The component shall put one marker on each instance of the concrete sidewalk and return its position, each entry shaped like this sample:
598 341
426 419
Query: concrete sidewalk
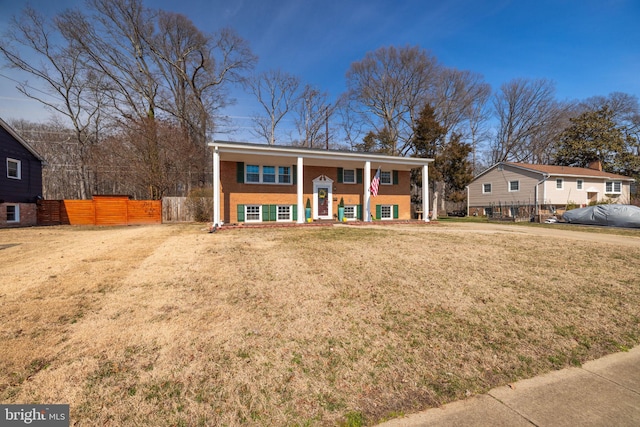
603 392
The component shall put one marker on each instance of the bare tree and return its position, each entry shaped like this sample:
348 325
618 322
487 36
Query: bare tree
73 92
529 119
312 121
197 70
388 88
277 92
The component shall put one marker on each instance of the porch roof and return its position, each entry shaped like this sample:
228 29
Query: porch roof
248 152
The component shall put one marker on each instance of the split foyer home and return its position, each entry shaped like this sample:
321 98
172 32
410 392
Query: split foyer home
256 183
20 179
545 187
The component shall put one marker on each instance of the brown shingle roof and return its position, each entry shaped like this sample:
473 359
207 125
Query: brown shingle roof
569 170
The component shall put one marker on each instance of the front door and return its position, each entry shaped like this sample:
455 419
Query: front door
323 201
322 197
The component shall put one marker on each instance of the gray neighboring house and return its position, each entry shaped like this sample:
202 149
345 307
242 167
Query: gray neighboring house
546 188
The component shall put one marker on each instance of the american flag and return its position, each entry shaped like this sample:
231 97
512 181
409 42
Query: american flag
375 183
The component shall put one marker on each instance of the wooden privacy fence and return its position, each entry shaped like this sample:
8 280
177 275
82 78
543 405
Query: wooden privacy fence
183 209
102 210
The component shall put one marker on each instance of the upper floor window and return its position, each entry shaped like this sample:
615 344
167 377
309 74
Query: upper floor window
579 184
514 186
613 187
386 177
349 176
559 183
486 188
284 175
267 174
253 173
14 169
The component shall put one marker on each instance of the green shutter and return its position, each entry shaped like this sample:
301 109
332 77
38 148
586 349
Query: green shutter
395 211
359 176
240 174
378 211
340 175
294 209
295 174
265 213
359 212
240 213
273 212
395 177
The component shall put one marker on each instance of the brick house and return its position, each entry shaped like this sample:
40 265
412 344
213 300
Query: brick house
256 183
20 179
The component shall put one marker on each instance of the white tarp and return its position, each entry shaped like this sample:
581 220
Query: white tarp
611 215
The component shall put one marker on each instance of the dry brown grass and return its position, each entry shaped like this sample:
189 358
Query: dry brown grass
170 325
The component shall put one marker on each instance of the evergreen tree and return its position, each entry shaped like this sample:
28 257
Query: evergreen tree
592 136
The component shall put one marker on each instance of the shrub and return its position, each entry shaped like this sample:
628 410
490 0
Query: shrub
200 204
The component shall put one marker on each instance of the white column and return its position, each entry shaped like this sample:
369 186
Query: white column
367 195
300 184
425 193
216 186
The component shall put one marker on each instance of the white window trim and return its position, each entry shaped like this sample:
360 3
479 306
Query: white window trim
261 175
390 178
246 213
613 187
355 176
580 184
278 213
355 212
561 180
19 168
390 212
490 188
513 191
17 214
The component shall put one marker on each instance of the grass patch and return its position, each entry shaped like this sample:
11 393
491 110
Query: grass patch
350 326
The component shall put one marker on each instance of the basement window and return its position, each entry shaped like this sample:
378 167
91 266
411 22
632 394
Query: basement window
13 213
253 213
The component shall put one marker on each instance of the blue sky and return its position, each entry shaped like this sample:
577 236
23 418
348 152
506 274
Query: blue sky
587 47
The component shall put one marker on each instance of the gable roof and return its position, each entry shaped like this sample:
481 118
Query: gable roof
553 170
18 138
